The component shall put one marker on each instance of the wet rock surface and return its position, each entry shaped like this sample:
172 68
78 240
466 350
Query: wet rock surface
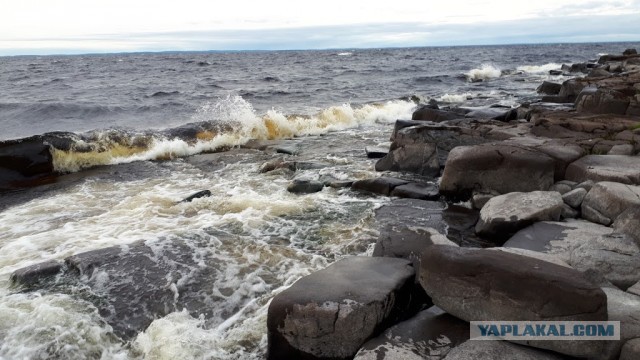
331 313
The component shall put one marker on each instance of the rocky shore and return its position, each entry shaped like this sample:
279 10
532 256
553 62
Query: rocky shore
552 188
528 213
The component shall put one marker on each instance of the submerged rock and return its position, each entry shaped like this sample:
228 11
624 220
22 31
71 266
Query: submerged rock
34 274
380 185
199 194
417 191
300 186
331 313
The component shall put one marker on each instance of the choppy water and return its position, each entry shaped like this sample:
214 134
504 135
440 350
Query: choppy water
329 104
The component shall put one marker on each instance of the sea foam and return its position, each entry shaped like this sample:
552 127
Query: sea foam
485 72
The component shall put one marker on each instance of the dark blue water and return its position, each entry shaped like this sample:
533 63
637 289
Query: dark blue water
152 91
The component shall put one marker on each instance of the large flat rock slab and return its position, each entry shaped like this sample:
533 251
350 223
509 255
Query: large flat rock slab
132 285
504 215
617 168
495 167
480 284
431 334
331 313
584 246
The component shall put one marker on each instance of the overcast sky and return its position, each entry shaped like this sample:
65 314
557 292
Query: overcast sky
84 26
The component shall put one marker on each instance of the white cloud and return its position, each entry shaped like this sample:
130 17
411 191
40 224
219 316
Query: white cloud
119 25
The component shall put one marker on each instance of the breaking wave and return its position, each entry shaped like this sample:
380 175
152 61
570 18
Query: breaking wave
485 72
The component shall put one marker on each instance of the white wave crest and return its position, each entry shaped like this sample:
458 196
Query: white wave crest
539 69
244 125
485 72
455 98
345 54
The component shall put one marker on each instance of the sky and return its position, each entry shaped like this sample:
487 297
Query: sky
98 26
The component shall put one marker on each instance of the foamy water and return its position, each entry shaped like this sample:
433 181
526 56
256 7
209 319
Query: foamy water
486 72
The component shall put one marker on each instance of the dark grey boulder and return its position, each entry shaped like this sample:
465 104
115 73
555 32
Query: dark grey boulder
331 313
584 246
617 168
574 197
421 159
431 334
497 285
498 350
380 185
630 51
198 195
417 191
628 222
607 200
427 113
549 88
535 289
500 168
32 275
504 215
602 101
302 186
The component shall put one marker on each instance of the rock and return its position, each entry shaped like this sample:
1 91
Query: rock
25 161
498 285
479 199
331 313
634 289
407 218
500 168
301 186
132 285
408 242
628 222
376 152
417 191
504 215
618 168
431 334
584 246
549 88
492 113
289 150
532 254
569 213
623 307
421 159
561 187
32 275
498 350
427 113
401 124
556 72
598 72
574 197
602 101
332 182
608 200
445 137
198 195
630 52
587 185
571 88
380 185
631 350
277 164
563 155
624 149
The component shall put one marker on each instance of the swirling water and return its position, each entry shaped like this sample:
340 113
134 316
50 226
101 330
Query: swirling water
126 182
